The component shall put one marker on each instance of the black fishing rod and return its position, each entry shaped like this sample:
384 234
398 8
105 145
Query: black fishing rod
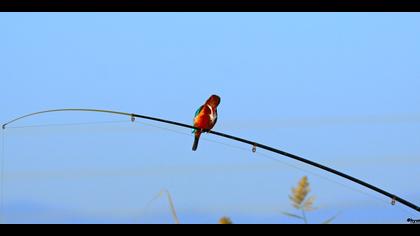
255 145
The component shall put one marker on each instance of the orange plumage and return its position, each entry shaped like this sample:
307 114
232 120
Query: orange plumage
205 118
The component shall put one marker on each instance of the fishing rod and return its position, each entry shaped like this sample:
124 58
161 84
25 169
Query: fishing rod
254 145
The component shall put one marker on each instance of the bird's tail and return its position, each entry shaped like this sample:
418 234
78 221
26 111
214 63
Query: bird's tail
196 139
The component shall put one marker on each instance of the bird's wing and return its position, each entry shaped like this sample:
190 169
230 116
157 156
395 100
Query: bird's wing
198 111
196 114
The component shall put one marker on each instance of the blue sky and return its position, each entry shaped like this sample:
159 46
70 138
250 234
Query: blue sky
337 88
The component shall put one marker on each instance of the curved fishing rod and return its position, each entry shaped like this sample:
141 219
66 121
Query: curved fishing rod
394 197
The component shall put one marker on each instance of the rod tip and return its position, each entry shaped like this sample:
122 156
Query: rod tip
3 126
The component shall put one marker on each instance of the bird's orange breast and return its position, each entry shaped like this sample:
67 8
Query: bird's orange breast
203 120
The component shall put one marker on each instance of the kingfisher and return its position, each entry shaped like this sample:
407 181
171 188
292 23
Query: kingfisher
205 118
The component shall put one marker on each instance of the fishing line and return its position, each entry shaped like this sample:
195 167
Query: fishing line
68 124
208 140
369 195
359 191
255 145
2 175
266 156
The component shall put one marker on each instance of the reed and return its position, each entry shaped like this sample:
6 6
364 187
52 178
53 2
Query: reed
302 202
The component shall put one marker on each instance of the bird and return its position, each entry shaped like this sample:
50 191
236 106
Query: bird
205 118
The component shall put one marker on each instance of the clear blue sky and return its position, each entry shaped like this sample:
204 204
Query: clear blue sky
341 89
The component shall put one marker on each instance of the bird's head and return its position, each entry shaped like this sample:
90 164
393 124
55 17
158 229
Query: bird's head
213 101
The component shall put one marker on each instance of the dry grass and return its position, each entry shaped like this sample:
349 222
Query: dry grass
225 221
299 197
302 202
